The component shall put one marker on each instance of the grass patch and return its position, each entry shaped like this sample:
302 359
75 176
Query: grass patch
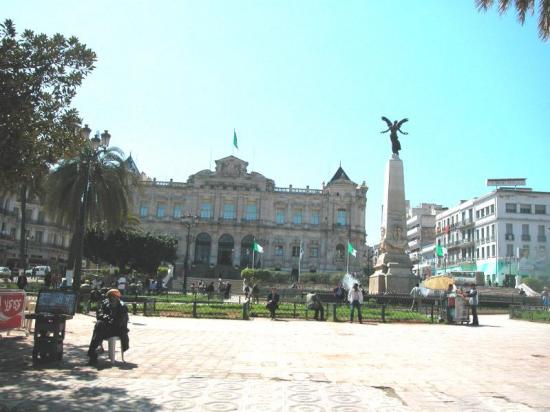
287 310
531 315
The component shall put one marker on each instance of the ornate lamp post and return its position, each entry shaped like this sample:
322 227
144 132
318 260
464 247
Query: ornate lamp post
188 221
90 154
27 240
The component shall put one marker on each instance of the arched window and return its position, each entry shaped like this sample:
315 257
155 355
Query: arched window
340 252
246 250
225 249
203 244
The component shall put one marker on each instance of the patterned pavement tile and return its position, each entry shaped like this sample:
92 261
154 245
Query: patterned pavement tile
217 365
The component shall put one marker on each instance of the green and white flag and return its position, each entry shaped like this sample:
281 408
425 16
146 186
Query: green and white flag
351 250
257 248
440 251
235 139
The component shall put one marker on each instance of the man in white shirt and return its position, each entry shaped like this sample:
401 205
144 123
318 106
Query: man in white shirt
121 284
355 299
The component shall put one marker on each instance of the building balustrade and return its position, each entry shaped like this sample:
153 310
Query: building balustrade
297 190
526 237
541 238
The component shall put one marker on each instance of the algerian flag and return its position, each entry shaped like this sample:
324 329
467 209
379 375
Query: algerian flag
440 251
301 251
257 248
235 139
351 250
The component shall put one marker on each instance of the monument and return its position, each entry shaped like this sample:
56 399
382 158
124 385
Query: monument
393 268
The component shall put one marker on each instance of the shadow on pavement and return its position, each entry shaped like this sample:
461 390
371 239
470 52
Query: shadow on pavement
69 385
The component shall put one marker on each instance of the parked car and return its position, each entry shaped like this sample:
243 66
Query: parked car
41 270
5 272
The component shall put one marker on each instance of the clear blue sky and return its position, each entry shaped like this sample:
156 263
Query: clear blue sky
305 83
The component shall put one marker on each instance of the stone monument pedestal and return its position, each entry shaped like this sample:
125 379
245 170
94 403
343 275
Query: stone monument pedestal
393 269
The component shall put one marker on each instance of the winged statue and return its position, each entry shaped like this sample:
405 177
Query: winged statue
393 128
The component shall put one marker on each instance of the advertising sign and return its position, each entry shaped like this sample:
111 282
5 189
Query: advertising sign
12 309
507 182
56 302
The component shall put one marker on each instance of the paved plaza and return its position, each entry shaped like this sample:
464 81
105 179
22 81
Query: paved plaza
261 365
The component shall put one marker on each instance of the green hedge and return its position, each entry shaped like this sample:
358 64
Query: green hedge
275 276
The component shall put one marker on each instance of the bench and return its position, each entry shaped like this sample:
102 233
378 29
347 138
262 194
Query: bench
147 301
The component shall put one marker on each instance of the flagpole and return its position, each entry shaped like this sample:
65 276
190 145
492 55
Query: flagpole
253 243
299 261
347 259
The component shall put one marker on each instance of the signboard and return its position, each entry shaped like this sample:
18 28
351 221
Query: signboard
56 302
520 181
12 309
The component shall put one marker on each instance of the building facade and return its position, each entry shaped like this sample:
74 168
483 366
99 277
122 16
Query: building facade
421 238
46 242
503 234
232 208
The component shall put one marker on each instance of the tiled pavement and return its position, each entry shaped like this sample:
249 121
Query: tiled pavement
260 365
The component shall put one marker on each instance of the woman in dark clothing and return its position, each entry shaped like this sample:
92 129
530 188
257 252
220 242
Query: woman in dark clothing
112 320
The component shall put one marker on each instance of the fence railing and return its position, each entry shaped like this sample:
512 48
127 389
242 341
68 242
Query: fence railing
536 313
293 308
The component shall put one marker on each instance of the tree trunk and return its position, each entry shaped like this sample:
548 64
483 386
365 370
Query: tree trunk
81 230
23 235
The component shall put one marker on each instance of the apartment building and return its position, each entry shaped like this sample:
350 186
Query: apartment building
503 234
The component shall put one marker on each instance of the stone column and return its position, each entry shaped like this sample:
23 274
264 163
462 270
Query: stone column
393 269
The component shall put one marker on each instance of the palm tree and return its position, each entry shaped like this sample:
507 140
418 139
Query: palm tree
91 188
523 7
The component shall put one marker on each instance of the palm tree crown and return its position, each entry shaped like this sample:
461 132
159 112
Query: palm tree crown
107 181
523 7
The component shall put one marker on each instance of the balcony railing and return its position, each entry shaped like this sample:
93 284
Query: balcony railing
526 237
466 222
541 238
509 236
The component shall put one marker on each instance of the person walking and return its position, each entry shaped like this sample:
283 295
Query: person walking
473 301
416 294
22 281
272 302
355 299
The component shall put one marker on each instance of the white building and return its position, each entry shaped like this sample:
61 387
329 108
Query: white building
503 234
421 237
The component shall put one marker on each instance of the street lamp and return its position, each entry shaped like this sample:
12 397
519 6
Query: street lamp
188 221
89 155
27 239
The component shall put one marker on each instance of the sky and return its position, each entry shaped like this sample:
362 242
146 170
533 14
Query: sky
304 84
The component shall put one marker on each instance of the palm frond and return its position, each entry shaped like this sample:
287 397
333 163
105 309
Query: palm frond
522 7
483 5
544 19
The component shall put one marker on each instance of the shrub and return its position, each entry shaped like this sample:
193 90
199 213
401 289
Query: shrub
536 284
255 275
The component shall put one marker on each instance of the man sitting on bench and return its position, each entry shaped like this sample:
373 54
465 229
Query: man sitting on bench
112 320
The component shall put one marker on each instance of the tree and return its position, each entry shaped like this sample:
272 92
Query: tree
89 189
39 76
523 7
130 248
